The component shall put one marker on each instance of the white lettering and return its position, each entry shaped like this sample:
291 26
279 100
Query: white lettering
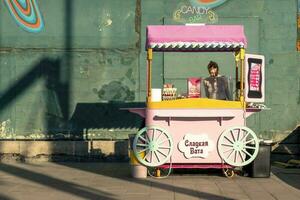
183 9
196 145
194 10
196 151
193 14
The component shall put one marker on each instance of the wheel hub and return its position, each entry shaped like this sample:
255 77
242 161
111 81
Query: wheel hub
238 146
152 146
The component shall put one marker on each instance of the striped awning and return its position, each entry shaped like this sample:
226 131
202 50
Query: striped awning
196 38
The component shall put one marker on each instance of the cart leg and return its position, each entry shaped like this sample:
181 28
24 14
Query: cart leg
157 172
228 172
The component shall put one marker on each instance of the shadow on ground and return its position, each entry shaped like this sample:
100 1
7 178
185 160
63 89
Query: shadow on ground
124 174
102 169
57 184
289 148
290 176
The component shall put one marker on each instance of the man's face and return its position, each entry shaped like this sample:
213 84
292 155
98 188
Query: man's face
213 72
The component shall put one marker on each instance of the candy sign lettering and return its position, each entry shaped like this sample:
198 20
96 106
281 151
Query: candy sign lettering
193 146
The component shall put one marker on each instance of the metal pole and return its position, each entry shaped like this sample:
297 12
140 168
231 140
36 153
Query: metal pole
242 99
237 59
149 72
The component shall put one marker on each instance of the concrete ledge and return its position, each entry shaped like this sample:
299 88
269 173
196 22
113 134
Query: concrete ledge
68 149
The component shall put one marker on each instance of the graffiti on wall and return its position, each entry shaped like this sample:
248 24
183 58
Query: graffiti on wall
197 11
26 14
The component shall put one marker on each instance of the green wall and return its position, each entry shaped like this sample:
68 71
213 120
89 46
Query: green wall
70 79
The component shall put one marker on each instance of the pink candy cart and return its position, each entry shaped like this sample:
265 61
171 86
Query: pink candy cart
197 132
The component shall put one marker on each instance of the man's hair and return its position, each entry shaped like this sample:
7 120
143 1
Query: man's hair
212 64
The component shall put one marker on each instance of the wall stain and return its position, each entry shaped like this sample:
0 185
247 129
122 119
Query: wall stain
125 60
84 71
115 91
129 75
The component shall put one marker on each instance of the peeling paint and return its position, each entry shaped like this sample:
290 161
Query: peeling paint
105 22
128 15
84 71
6 129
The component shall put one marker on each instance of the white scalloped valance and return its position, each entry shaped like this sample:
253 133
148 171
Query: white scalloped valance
195 46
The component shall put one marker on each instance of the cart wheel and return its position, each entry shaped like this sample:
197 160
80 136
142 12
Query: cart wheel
229 173
152 146
238 146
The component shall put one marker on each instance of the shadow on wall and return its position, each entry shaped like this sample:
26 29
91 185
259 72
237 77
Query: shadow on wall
289 148
54 104
49 70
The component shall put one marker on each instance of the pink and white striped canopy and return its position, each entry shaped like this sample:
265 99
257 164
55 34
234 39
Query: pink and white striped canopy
196 37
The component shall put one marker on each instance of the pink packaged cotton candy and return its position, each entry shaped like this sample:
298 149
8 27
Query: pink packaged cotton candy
194 87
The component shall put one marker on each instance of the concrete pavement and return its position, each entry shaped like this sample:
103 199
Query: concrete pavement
67 180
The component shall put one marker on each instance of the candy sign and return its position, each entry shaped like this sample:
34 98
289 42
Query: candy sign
193 146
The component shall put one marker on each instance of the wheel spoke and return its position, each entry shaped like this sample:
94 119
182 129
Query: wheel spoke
228 139
151 156
249 141
157 139
161 153
140 137
246 152
156 156
147 136
228 150
245 136
238 136
228 145
146 155
235 152
249 147
167 140
232 135
230 154
153 131
142 145
241 156
164 147
143 150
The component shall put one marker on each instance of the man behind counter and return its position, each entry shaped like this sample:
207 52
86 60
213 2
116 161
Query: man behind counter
216 86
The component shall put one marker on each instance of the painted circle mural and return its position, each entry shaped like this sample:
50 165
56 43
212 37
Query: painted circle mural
207 3
26 14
